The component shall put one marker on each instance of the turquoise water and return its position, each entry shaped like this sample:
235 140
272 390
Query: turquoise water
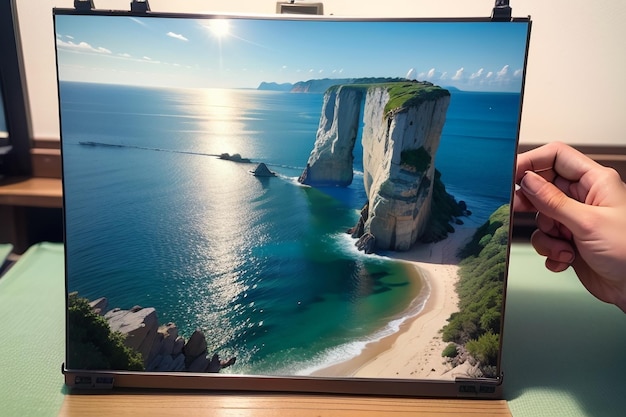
262 265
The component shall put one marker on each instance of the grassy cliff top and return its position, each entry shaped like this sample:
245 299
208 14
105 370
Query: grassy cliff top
403 94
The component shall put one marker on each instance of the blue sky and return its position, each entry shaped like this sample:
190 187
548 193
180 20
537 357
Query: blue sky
242 53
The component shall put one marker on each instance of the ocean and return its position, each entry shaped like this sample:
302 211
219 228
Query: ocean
262 265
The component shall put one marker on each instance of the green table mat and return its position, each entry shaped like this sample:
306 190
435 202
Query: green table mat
562 348
563 351
32 344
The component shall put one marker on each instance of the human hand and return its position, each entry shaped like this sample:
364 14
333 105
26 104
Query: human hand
581 217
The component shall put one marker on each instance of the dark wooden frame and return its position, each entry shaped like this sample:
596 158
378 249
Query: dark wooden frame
17 161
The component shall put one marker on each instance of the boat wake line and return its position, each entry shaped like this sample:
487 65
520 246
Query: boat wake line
145 148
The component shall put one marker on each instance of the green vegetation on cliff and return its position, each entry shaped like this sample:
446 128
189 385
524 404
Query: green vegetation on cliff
418 159
480 289
412 94
443 210
402 93
92 345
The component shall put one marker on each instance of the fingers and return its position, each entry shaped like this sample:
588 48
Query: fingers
551 227
559 253
521 203
555 159
551 201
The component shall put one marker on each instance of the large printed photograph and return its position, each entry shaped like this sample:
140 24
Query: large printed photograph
263 196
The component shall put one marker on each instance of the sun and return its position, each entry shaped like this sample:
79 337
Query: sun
219 27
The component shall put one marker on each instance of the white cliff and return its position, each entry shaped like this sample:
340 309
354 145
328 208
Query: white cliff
400 141
330 162
400 194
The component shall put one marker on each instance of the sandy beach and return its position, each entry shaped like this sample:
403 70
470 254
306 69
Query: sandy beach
415 350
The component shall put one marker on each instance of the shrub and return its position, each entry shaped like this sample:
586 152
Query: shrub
450 351
416 158
485 240
485 348
92 345
480 287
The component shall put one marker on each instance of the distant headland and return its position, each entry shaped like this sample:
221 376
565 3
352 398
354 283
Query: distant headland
320 85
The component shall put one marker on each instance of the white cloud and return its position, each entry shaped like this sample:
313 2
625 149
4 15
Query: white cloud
177 36
459 74
82 47
503 71
489 74
125 55
517 73
444 75
411 74
476 74
431 73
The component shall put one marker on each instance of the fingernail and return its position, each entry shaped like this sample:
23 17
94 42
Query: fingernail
566 257
531 183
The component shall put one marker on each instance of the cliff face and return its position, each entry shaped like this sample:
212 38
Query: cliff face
399 189
330 162
401 134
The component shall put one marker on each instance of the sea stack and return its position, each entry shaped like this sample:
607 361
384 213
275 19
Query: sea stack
262 171
402 125
330 162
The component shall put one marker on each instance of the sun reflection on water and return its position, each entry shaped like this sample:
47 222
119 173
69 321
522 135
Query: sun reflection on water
228 230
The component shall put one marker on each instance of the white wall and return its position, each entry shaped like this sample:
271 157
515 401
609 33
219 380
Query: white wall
575 89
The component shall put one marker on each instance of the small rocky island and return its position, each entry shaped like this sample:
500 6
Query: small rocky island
234 158
402 125
262 170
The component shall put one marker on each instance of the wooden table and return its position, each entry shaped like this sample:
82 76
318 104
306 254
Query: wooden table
137 404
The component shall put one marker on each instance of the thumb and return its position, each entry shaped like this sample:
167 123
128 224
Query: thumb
549 200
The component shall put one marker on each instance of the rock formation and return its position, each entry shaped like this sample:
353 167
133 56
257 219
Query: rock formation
162 348
330 162
234 158
140 326
262 170
402 124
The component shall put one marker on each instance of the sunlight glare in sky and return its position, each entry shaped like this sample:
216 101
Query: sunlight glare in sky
219 27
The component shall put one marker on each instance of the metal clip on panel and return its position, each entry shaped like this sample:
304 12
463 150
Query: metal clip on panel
502 12
140 6
84 5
